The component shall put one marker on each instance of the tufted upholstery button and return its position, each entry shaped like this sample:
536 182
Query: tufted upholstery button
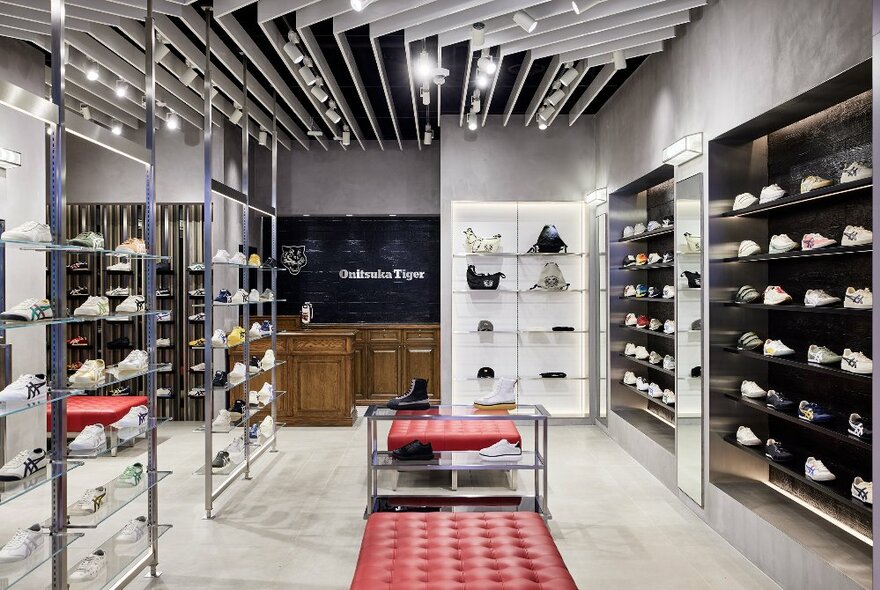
84 410
452 435
459 551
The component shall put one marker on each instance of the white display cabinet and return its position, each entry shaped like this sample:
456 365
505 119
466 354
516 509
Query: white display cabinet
523 343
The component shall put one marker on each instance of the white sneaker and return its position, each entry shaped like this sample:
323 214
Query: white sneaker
22 544
29 231
858 298
815 241
819 298
118 292
856 171
221 256
218 340
197 367
253 296
669 327
655 390
629 291
237 375
771 193
781 243
90 502
668 292
642 353
267 427
132 304
856 362
223 421
744 200
822 355
502 451
26 388
775 295
628 231
91 440
811 183
655 324
639 229
856 235
503 397
163 342
92 372
267 295
253 399
134 531
90 568
241 296
668 397
655 358
629 378
669 362
164 392
748 248
642 384
238 258
861 490
776 348
29 310
751 390
255 330
120 267
265 395
93 307
816 470
746 437
629 349
136 418
268 360
23 465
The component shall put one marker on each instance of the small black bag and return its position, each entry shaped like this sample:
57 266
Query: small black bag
549 241
483 281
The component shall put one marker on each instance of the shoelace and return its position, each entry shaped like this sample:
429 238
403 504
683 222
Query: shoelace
18 539
131 471
18 460
87 563
131 529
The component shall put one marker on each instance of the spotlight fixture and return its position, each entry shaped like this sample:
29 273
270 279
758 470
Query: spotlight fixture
542 124
580 6
293 52
116 128
359 5
475 101
472 121
481 80
306 72
263 136
478 35
121 88
569 76
546 112
425 93
525 21
92 71
86 112
487 64
172 120
50 130
161 49
189 76
557 95
346 136
318 90
332 113
619 60
440 76
214 91
429 134
236 115
423 67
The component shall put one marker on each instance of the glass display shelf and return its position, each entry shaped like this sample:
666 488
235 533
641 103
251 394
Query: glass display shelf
487 332
120 557
12 573
647 235
801 254
659 367
459 461
521 332
72 249
128 316
828 309
251 339
234 468
13 407
836 190
249 414
243 266
551 292
231 386
119 437
553 332
118 496
12 324
539 378
655 266
521 412
649 299
426 502
804 365
110 379
261 302
481 291
486 379
647 331
652 400
10 490
516 254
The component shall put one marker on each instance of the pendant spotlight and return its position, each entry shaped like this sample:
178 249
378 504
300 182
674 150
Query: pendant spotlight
189 76
86 112
92 71
318 90
172 120
263 136
478 35
429 134
557 95
121 88
476 104
293 52
580 6
359 5
236 115
546 112
619 60
542 124
332 113
569 76
424 69
161 48
486 63
425 93
525 21
116 128
306 72
481 80
346 136
472 121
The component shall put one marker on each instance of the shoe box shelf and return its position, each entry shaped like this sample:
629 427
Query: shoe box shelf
820 134
523 344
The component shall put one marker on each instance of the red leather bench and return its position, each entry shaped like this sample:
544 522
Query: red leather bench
452 435
459 550
85 410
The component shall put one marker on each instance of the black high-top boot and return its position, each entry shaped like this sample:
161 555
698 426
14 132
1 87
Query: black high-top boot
414 399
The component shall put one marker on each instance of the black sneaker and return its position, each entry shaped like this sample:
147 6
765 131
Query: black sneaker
414 399
693 279
629 260
121 391
668 221
697 371
777 401
749 341
78 292
668 257
774 451
219 379
255 365
221 460
238 410
163 268
697 324
163 292
119 343
414 451
859 426
269 263
653 292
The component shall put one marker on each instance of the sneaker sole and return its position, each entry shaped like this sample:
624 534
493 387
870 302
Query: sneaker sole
500 458
415 458
753 395
503 406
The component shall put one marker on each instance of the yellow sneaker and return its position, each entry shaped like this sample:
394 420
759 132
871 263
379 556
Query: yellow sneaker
197 342
235 337
254 260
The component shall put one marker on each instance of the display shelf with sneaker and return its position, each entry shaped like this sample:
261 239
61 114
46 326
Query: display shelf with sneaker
647 235
806 253
808 198
794 361
658 400
23 553
649 332
646 363
116 496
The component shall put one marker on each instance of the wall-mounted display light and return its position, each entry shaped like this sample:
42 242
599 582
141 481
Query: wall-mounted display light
580 6
332 113
597 197
346 136
236 115
525 21
684 150
429 134
306 72
472 121
11 158
189 75
86 112
318 90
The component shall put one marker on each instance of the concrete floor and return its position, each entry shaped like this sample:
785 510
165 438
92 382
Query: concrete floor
298 523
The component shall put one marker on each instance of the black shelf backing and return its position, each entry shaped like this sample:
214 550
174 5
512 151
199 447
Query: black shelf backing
804 365
828 309
648 235
647 331
654 400
797 254
655 266
835 190
649 365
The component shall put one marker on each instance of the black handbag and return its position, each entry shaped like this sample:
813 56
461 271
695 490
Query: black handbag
549 241
483 281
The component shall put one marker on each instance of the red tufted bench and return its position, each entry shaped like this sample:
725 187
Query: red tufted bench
84 410
458 550
452 435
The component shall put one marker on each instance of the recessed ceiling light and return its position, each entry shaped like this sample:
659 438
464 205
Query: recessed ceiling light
172 121
121 88
92 71
525 21
116 128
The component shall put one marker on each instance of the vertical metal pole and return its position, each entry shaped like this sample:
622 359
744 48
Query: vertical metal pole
538 499
274 255
245 240
546 468
207 214
58 295
150 242
370 472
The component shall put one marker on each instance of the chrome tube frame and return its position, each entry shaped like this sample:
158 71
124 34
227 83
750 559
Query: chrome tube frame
207 246
245 232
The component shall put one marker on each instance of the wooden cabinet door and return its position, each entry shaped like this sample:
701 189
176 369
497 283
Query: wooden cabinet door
320 384
384 369
420 360
359 374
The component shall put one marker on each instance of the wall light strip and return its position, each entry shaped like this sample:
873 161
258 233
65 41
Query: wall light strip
684 150
28 103
227 192
96 134
597 197
9 158
263 211
820 514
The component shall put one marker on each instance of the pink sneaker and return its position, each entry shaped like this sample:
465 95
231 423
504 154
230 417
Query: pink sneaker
814 241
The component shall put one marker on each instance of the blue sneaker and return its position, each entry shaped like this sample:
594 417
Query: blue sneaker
254 434
777 401
266 328
223 296
641 290
813 412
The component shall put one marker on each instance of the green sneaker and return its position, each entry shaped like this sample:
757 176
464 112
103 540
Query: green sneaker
88 239
132 475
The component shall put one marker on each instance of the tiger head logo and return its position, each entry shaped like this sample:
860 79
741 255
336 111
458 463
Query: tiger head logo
294 258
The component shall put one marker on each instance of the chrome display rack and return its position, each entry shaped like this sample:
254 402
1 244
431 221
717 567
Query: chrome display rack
213 188
61 528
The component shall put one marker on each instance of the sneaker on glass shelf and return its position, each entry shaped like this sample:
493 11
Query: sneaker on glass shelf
856 362
669 362
136 361
265 394
196 392
749 341
266 328
23 465
822 355
771 193
90 567
777 348
667 221
237 374
502 451
29 310
815 241
134 531
254 366
653 225
751 390
90 502
164 392
219 340
628 231
643 321
163 342
196 293
29 231
778 401
118 292
254 332
628 261
78 266
744 200
268 360
746 294
503 396
859 426
22 544
814 469
91 373
197 267
748 248
629 349
668 397
120 267
858 298
655 358
223 296
132 246
238 410
781 243
669 327
639 229
654 292
91 440
746 437
668 257
629 378
254 434
629 291
241 296
197 368
856 171
78 292
163 292
819 298
26 388
641 259
812 412
811 183
238 258
132 304
267 427
642 353
235 336
668 292
641 290
862 490
131 475
856 235
267 295
642 384
775 295
197 317
220 379
223 421
93 307
221 256
655 390
774 451
221 460
254 260
135 418
655 325
88 239
253 296
198 342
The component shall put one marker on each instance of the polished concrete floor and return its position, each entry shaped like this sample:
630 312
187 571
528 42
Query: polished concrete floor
297 524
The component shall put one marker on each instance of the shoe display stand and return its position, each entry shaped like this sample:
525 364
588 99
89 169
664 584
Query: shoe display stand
456 461
819 133
50 562
522 344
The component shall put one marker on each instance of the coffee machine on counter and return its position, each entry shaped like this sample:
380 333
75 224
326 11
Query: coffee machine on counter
306 313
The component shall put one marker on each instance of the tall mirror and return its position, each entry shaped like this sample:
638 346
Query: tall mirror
688 336
600 326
